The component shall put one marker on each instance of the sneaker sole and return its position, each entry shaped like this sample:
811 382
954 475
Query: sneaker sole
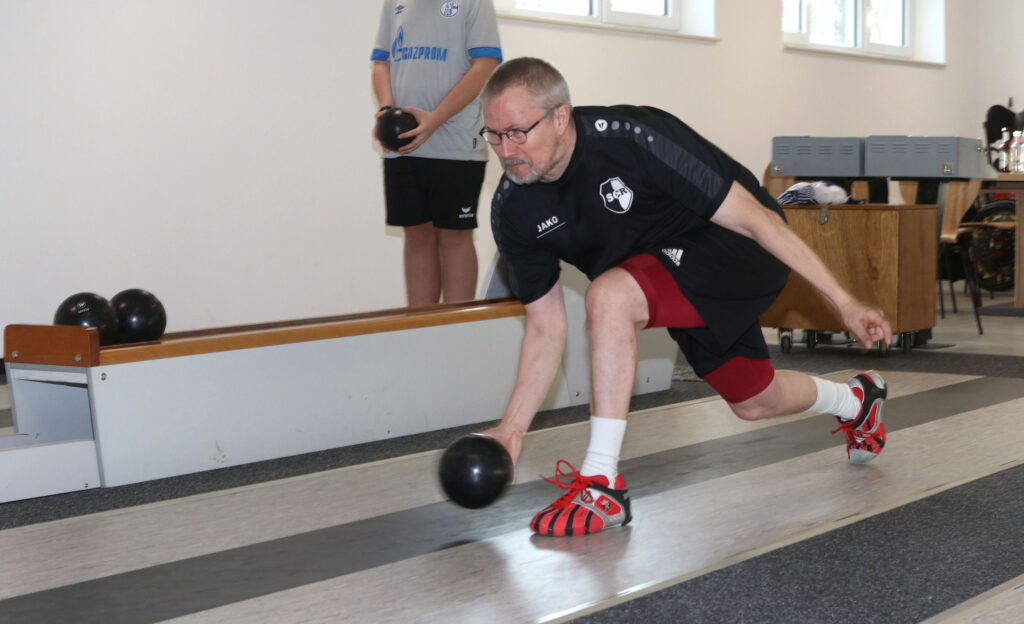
860 456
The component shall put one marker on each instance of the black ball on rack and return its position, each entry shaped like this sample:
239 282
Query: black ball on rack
474 471
88 309
140 315
391 123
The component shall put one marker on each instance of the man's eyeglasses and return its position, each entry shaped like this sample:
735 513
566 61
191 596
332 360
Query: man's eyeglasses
515 135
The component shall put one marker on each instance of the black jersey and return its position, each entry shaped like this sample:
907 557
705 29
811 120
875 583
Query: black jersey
640 181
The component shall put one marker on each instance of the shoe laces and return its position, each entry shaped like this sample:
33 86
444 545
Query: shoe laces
852 435
855 438
572 482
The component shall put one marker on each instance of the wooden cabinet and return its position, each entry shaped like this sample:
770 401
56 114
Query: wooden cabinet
884 254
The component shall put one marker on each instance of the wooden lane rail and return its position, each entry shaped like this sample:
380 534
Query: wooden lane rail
79 346
52 345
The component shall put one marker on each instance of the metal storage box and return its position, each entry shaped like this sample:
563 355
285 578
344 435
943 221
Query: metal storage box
925 157
818 157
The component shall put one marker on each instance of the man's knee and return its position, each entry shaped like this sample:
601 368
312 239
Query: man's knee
614 296
745 384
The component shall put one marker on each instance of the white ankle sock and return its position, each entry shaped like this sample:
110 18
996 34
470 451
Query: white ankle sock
835 398
605 445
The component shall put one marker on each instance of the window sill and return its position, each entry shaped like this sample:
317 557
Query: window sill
861 54
554 21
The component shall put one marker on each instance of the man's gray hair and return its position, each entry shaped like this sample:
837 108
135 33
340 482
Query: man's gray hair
544 83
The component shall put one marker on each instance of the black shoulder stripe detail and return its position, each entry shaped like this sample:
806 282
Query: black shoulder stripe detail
675 156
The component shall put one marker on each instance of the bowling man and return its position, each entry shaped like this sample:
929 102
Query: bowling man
672 233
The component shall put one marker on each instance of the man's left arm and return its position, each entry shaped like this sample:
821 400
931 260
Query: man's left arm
742 213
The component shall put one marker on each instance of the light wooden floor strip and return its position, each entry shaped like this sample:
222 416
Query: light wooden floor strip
1002 604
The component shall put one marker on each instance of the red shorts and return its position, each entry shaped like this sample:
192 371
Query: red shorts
734 375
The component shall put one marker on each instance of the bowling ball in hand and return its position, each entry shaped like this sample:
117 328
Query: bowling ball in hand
88 309
474 471
391 123
140 315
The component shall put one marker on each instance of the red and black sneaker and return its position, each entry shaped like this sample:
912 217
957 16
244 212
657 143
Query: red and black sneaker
588 505
865 434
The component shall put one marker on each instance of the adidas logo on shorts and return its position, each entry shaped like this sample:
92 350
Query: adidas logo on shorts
675 255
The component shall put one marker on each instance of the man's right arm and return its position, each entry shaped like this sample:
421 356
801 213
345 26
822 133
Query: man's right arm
381 81
539 359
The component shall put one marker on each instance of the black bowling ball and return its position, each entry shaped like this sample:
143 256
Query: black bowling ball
391 123
88 309
474 471
140 315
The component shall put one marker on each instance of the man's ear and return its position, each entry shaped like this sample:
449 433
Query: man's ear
562 116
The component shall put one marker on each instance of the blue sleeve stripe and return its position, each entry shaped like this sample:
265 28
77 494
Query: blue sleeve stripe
485 53
379 55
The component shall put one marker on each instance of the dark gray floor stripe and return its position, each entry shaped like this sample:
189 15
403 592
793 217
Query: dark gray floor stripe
901 566
200 583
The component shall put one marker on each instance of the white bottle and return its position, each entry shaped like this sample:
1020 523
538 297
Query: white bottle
1017 152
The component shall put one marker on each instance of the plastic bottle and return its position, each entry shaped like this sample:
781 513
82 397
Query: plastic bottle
1003 148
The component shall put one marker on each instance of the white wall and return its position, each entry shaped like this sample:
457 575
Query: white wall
1000 50
218 152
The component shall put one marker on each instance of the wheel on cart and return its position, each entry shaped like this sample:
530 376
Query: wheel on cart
786 340
907 341
992 250
810 339
922 336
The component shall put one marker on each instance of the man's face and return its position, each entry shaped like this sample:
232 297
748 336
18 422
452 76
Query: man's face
535 159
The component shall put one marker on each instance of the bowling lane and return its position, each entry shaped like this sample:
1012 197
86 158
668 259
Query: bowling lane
130 541
679 534
44 556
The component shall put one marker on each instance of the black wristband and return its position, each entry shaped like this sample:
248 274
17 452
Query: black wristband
383 108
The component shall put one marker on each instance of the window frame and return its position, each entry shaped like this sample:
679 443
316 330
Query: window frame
672 21
687 18
861 45
903 51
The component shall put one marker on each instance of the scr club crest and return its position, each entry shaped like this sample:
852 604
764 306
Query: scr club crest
616 196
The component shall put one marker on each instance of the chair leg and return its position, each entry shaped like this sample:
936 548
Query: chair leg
952 290
942 301
972 281
942 295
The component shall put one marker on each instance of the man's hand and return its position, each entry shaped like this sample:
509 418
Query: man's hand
428 123
868 324
511 439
